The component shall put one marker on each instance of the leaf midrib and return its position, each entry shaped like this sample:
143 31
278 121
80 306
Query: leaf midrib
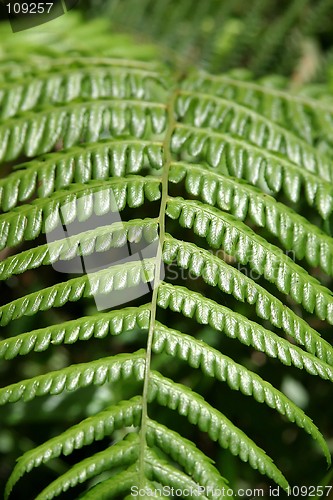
171 121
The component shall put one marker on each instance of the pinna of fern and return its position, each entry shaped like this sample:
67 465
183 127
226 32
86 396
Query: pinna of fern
219 155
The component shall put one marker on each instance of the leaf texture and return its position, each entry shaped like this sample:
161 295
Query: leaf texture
125 413
99 198
36 132
237 239
233 164
218 427
241 200
206 311
99 161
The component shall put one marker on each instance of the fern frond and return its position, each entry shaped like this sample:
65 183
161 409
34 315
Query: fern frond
98 326
117 277
219 428
216 272
97 197
229 194
95 428
225 115
242 159
100 239
197 260
121 366
182 451
15 68
199 355
224 231
117 485
33 133
84 136
99 161
168 475
307 118
90 79
234 325
123 453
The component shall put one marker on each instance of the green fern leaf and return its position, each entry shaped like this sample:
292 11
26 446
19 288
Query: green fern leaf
234 165
216 272
122 453
238 240
81 164
102 282
99 197
101 239
90 79
293 231
125 413
168 475
234 325
182 451
246 160
74 377
34 133
215 364
306 117
219 428
120 484
98 326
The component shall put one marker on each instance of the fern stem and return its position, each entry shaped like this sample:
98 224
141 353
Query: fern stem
157 279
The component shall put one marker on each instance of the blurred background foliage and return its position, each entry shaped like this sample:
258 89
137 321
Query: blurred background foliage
286 37
291 38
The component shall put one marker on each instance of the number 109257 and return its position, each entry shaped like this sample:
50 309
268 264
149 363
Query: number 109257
29 8
309 491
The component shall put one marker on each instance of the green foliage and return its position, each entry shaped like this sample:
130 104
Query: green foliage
219 35
219 173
